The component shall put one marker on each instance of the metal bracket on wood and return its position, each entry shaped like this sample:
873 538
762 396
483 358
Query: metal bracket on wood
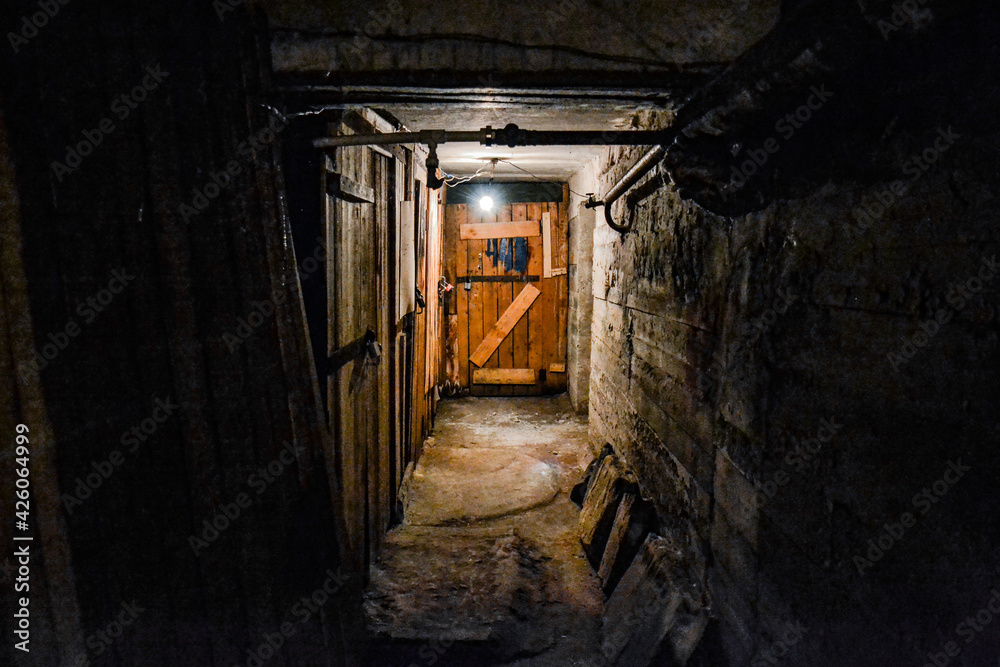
498 279
363 346
342 187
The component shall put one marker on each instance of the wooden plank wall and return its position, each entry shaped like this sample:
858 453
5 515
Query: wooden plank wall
380 415
538 340
427 335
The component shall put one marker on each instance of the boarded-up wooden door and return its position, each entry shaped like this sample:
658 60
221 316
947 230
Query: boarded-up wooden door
508 312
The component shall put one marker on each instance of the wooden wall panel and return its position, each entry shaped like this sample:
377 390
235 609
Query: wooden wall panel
455 302
381 474
352 229
381 414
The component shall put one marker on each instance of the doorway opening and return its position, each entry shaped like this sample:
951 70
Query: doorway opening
507 313
448 326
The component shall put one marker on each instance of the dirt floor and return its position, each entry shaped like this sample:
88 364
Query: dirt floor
487 567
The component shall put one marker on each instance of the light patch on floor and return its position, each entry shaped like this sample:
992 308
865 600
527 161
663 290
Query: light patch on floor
452 485
487 567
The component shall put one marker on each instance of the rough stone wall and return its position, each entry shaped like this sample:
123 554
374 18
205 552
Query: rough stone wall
753 372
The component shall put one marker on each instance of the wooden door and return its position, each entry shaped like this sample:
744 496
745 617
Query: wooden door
360 213
509 307
379 237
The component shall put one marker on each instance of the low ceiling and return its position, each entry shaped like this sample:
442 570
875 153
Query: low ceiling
646 54
521 163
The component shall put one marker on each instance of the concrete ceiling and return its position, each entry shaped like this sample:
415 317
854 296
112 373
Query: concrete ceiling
646 54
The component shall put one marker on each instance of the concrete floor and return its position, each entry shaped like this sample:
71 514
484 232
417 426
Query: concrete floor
487 567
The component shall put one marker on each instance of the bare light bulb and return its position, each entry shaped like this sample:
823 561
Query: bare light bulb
486 203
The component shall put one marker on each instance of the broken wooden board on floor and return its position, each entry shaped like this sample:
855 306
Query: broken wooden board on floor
631 526
601 506
657 614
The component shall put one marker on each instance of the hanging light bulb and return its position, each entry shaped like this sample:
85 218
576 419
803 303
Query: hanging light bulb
486 201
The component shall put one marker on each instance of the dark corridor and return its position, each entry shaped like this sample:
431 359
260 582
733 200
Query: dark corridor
719 276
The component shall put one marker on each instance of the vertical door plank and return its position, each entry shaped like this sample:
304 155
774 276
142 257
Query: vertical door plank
505 295
547 306
546 245
462 297
451 320
386 488
536 336
475 251
489 293
519 336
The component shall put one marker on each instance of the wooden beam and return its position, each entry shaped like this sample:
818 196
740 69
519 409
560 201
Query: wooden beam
343 187
546 245
503 326
503 376
501 230
517 278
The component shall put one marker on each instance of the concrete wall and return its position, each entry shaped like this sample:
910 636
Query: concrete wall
581 286
752 371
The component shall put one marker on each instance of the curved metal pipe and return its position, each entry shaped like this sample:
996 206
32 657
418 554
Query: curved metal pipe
645 164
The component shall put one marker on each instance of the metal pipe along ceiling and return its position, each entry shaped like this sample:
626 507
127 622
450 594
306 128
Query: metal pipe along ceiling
513 136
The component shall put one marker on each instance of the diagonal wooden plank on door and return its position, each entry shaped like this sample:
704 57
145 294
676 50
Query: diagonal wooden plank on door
503 326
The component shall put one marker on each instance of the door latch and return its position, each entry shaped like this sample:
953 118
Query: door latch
421 302
364 347
373 352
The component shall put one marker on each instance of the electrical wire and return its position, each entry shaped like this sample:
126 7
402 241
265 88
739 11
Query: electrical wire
537 178
451 180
